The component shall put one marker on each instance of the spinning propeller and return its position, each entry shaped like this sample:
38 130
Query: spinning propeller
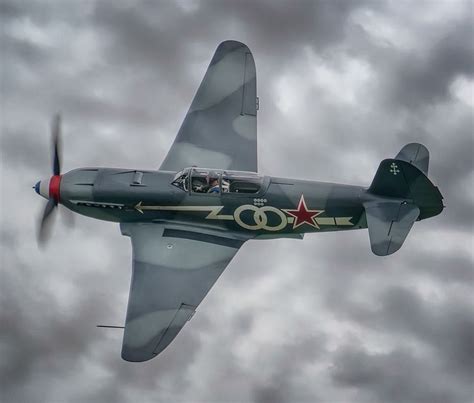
50 188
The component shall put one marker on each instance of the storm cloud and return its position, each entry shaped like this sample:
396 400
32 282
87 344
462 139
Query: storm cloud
342 85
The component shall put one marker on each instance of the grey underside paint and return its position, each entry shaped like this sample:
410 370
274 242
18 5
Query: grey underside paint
220 128
171 275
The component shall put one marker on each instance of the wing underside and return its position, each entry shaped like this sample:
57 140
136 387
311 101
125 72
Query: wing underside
173 270
220 128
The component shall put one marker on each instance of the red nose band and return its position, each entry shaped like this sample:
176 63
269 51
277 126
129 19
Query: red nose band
54 187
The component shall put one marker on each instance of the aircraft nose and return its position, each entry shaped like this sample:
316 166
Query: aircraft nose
42 188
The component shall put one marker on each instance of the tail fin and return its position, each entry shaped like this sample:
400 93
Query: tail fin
400 194
417 155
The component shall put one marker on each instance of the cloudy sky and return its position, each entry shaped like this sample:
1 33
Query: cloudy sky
342 85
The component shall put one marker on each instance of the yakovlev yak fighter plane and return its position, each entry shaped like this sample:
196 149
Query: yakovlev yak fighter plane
188 219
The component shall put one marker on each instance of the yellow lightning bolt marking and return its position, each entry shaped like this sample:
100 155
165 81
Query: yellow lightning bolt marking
213 210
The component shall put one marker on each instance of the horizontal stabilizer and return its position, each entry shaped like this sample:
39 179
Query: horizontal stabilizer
389 223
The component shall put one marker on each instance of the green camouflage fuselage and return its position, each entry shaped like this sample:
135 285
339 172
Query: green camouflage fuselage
281 208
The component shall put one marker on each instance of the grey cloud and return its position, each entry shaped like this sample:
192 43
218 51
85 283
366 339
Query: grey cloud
396 376
420 76
449 328
424 78
446 328
449 269
123 75
289 364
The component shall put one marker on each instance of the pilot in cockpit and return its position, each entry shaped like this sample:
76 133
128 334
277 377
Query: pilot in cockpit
213 186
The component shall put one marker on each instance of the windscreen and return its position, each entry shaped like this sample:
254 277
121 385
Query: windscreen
181 180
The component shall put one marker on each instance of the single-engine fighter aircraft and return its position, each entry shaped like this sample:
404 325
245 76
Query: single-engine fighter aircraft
188 219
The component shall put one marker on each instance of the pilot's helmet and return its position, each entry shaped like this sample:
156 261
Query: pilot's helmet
212 176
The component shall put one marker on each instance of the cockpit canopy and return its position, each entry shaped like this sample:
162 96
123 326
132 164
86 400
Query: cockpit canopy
217 181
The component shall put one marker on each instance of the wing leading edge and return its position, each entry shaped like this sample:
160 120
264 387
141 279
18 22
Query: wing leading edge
220 128
173 270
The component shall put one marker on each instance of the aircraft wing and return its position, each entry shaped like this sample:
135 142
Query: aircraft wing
220 128
173 270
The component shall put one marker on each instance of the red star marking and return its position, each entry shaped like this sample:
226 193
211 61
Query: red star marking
303 215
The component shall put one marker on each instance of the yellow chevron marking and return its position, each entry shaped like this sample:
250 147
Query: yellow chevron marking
324 220
343 221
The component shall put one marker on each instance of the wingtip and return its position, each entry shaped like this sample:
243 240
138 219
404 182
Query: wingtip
232 44
133 355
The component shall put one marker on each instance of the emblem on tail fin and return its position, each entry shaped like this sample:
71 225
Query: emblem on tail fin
394 168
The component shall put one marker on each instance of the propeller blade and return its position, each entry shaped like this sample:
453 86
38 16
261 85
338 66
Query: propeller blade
56 140
46 223
67 217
